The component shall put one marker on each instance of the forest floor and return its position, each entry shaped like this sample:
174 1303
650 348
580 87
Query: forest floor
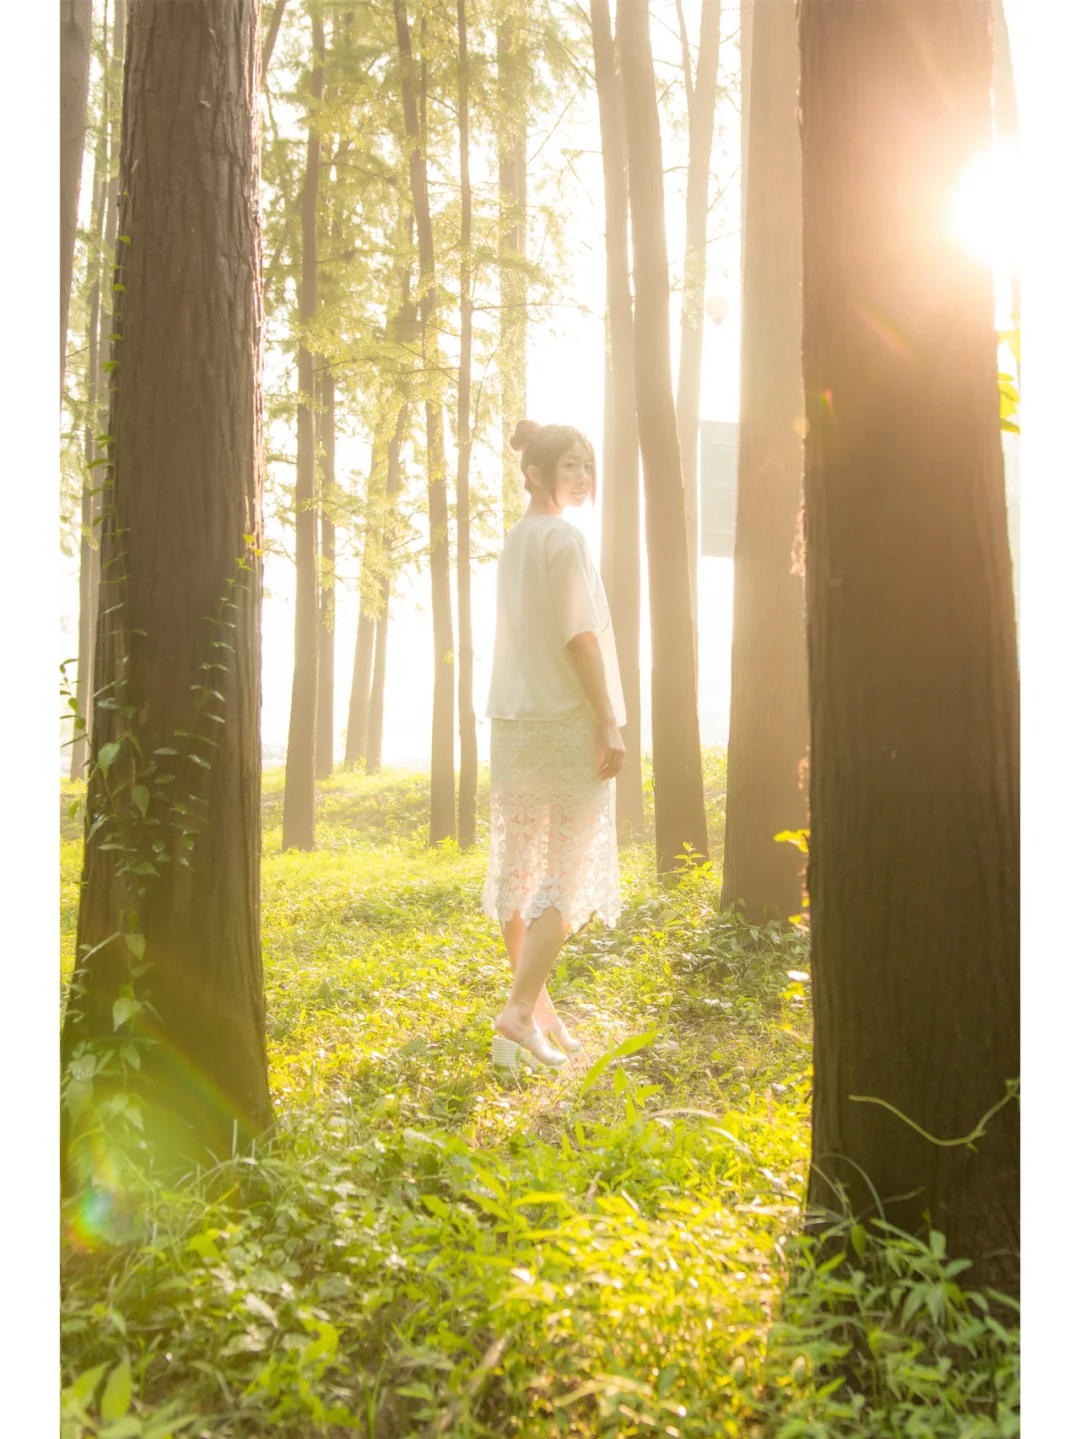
428 1248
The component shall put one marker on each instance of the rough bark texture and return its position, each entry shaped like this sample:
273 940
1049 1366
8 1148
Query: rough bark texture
677 782
442 708
377 702
324 720
769 731
466 709
513 62
621 549
914 871
701 109
75 26
184 504
298 823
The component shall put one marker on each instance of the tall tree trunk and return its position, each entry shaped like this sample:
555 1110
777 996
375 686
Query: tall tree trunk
371 560
75 28
769 731
87 544
298 824
513 63
99 420
377 702
466 710
677 782
184 503
701 109
914 796
271 37
442 709
324 724
621 555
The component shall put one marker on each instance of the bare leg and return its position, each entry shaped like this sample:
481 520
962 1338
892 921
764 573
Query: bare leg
513 933
540 946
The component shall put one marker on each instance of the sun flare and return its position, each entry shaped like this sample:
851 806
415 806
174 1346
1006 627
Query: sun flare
984 213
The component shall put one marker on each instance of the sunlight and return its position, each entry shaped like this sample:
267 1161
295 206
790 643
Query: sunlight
984 213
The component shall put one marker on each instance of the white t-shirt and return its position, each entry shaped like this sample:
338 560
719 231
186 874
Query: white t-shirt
548 592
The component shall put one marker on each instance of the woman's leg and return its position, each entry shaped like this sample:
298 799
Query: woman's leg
513 933
540 947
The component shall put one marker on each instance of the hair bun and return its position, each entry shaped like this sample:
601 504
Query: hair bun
522 430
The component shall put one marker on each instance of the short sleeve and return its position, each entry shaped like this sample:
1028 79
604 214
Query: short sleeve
571 586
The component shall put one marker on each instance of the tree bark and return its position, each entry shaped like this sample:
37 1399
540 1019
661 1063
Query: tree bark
769 731
466 709
324 720
75 28
87 545
746 54
377 702
442 709
356 736
298 824
677 781
914 796
513 65
183 512
701 109
621 554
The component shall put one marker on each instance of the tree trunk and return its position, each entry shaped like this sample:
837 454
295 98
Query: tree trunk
271 37
442 709
677 782
466 710
87 544
769 730
376 704
914 798
298 825
356 736
513 61
621 555
75 27
324 726
181 527
701 108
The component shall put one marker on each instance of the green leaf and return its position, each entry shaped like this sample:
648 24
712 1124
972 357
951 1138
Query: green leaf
166 750
633 1044
116 1398
858 1239
85 1387
136 943
107 756
140 798
123 1009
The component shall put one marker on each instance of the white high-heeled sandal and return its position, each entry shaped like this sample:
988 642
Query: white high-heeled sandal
534 1051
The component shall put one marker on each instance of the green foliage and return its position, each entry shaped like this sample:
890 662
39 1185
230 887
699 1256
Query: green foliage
425 1248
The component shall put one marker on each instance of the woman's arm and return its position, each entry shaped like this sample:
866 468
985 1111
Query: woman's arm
588 661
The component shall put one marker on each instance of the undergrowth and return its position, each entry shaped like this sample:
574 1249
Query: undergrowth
423 1249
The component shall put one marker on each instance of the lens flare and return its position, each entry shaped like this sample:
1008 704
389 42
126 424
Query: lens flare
984 213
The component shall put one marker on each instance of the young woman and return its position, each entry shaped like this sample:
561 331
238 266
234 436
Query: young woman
556 705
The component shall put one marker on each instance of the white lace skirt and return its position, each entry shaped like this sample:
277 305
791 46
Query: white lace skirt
553 836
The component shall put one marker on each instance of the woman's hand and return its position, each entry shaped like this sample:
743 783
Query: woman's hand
612 750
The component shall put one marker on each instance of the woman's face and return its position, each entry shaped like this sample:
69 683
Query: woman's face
573 477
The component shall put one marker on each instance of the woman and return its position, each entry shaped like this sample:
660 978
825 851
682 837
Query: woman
555 706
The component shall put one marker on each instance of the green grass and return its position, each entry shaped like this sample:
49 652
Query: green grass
425 1249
